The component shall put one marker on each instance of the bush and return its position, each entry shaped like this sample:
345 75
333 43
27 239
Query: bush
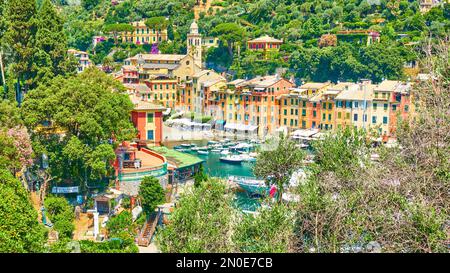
64 227
121 226
126 203
110 246
60 212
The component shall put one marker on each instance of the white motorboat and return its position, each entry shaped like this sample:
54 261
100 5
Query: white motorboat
246 157
250 185
225 152
200 152
232 159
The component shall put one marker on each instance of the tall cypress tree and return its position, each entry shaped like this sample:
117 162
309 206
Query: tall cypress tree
20 37
51 44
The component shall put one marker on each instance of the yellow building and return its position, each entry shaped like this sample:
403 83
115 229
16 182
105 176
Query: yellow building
353 105
289 110
380 114
200 84
181 67
265 44
144 35
163 91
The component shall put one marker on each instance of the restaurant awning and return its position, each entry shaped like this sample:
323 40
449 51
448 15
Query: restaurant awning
230 126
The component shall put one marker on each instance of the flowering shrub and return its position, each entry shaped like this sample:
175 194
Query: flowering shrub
15 149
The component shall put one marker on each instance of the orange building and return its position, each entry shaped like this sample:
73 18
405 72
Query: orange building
148 119
249 105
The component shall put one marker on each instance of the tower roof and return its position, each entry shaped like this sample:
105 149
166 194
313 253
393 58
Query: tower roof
194 27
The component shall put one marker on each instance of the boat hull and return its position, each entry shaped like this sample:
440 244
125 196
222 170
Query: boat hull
231 161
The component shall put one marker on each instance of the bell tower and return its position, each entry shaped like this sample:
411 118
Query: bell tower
194 44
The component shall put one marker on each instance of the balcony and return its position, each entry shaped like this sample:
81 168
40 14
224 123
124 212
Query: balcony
135 164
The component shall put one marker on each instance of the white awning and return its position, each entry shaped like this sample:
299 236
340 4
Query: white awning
304 133
230 126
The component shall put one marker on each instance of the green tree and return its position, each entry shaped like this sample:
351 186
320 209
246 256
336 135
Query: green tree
121 226
200 177
278 161
202 221
268 231
51 45
91 110
61 214
230 34
151 194
20 36
342 153
158 23
20 230
116 29
90 4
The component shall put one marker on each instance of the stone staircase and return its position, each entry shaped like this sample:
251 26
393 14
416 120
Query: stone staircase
149 228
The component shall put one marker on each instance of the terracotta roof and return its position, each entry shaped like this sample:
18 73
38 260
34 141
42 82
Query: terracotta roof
266 39
140 87
263 82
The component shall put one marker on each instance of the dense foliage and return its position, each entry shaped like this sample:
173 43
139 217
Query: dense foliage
121 226
202 221
305 53
91 110
15 144
277 161
206 220
399 203
19 227
151 194
61 214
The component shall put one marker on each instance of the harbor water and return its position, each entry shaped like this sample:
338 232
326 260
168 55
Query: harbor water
215 168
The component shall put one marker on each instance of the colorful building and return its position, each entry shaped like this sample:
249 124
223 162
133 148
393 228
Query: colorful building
363 105
133 163
163 91
83 59
353 105
264 43
201 87
142 34
250 105
148 120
